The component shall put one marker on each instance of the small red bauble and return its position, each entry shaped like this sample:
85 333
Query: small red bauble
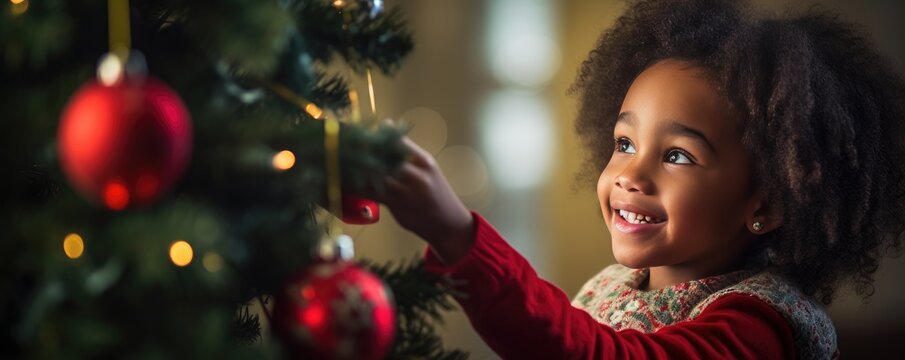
360 211
124 144
335 310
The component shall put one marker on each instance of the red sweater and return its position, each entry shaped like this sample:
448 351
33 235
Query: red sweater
521 316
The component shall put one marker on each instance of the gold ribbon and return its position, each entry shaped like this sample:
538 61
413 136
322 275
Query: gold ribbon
353 103
331 144
118 20
292 98
331 150
371 94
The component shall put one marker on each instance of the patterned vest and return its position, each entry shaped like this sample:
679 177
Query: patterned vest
612 297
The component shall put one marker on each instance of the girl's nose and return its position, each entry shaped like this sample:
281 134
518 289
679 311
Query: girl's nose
635 178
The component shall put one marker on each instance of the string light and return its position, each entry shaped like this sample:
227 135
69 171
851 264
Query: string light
19 7
212 262
73 246
181 253
283 160
314 111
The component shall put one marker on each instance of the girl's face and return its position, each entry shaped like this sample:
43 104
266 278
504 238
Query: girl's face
677 190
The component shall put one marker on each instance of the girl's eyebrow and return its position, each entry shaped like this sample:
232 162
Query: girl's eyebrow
678 128
673 127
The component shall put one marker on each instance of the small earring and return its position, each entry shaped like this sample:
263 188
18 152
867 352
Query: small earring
758 226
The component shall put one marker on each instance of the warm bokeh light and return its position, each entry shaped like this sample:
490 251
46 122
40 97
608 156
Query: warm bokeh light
339 4
521 46
212 262
116 195
465 170
73 246
314 111
284 160
519 139
19 7
181 253
428 128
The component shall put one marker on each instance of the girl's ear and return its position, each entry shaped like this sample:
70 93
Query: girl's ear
761 217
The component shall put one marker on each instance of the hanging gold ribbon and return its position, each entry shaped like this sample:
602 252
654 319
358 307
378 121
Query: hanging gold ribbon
371 94
292 98
331 151
331 143
118 20
353 103
331 146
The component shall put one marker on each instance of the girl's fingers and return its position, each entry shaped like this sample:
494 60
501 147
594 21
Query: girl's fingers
408 173
370 191
412 179
393 185
395 191
407 177
419 156
392 188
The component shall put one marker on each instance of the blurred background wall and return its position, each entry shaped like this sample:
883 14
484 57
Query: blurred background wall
485 93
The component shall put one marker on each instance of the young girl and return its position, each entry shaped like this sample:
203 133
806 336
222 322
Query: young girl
745 167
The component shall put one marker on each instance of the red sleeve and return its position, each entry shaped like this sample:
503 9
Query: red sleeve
521 316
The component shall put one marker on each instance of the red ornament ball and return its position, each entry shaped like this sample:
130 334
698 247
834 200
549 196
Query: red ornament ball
124 144
360 211
335 310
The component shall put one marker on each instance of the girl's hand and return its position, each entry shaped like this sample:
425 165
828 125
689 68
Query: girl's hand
423 202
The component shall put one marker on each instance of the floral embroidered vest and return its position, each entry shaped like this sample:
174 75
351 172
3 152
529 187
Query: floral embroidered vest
612 297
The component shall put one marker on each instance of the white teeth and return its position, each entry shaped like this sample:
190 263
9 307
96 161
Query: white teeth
635 218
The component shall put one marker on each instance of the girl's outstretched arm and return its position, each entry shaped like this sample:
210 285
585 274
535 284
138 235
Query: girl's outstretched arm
522 316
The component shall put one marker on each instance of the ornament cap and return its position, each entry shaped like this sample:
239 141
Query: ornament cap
345 248
115 67
339 248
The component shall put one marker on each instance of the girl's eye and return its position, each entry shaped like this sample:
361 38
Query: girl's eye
625 146
676 156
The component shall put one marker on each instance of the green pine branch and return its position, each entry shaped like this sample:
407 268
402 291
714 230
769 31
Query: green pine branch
420 303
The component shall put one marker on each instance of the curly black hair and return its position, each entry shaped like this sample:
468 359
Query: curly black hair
822 113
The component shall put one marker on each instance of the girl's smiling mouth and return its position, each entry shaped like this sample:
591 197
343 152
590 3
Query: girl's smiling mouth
636 218
622 223
630 219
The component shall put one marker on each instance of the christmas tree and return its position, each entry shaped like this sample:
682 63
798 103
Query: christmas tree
166 164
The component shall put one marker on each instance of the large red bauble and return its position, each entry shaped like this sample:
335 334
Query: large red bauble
335 310
124 144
